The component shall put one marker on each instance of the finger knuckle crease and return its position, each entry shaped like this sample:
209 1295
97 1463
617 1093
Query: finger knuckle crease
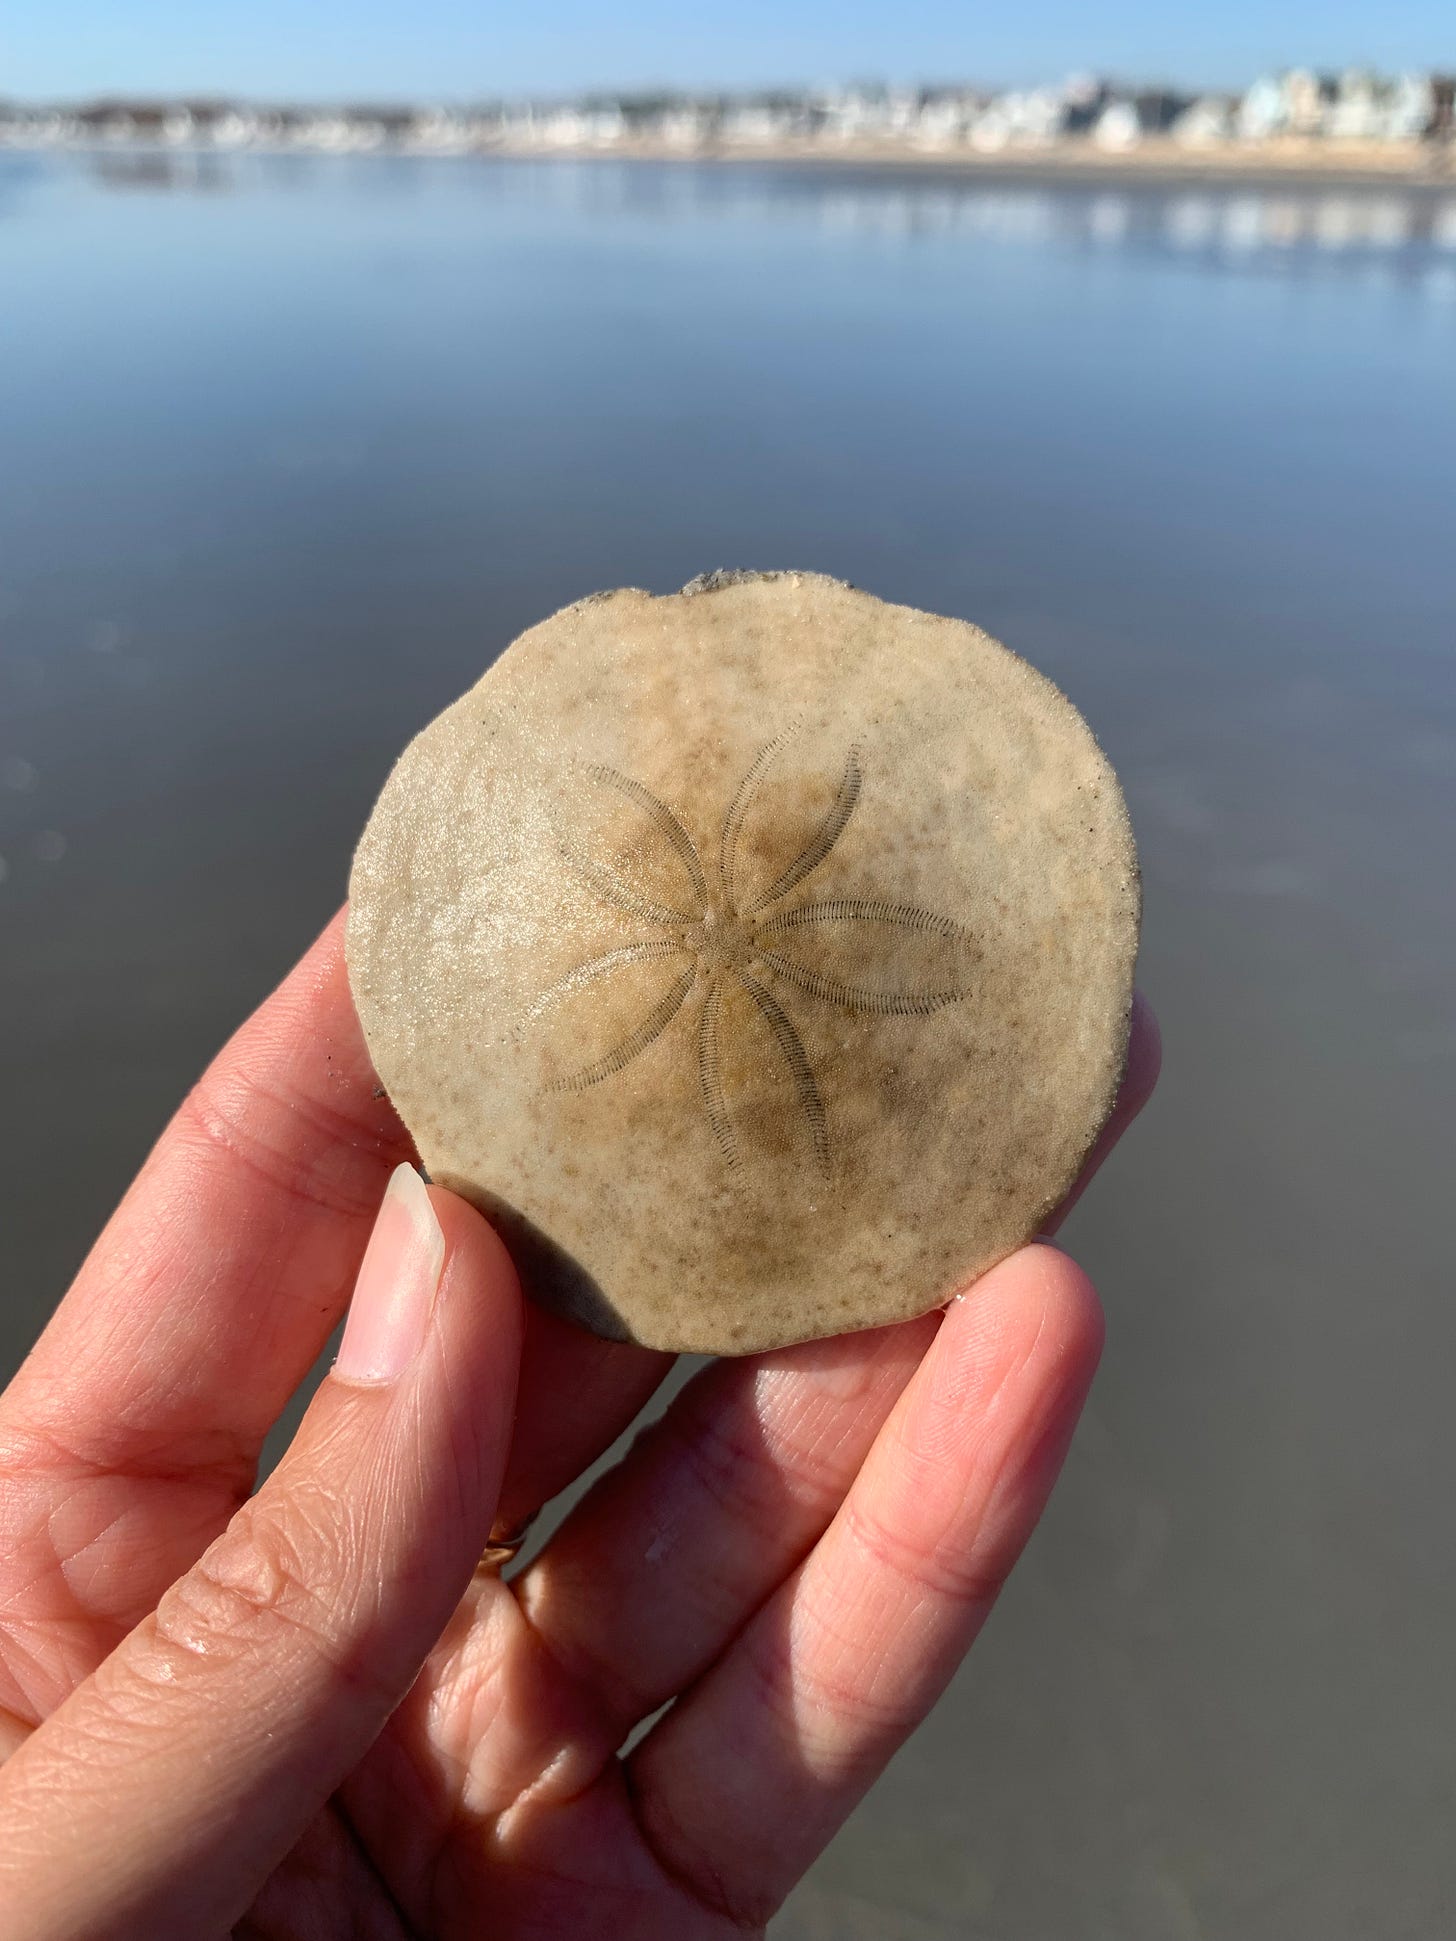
682 1859
226 1113
751 1474
932 1566
252 1578
814 1706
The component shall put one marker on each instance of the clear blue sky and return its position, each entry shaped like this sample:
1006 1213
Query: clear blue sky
331 49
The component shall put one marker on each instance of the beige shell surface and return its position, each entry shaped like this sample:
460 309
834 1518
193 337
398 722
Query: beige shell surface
758 957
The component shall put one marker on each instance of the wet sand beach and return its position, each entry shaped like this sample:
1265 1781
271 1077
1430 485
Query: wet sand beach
295 445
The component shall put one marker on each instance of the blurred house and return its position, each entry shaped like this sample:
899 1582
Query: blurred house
1263 113
1294 103
690 126
212 124
930 117
440 131
1309 98
1034 118
1118 126
580 127
1206 122
367 126
851 114
334 134
116 121
284 127
944 119
762 120
1083 97
1126 120
1411 108
1358 111
24 126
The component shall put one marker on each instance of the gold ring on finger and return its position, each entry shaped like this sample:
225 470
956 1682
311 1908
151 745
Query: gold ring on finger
502 1548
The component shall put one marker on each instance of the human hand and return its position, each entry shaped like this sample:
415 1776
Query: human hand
300 1715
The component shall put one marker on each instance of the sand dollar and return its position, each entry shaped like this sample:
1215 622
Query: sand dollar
759 958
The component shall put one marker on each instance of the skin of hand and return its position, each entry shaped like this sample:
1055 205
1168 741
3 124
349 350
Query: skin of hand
298 1713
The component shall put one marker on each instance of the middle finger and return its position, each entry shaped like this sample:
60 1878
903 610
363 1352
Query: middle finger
669 1555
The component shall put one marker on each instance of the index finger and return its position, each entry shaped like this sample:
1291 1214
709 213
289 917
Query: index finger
219 1277
217 1282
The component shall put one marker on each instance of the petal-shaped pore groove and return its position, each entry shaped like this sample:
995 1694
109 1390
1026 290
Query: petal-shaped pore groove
858 997
866 909
650 950
610 888
710 1073
823 839
636 1041
664 821
800 1070
727 939
737 809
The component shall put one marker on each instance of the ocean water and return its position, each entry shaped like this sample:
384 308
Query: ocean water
289 448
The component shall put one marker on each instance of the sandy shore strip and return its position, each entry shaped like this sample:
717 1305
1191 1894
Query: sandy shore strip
1153 163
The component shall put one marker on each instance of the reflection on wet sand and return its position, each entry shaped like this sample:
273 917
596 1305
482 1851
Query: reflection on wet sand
283 467
156 169
1236 223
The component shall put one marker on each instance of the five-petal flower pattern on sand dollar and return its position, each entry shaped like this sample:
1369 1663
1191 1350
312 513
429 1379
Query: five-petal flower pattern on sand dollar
730 939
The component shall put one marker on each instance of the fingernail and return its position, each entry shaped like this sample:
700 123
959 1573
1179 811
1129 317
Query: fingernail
396 1288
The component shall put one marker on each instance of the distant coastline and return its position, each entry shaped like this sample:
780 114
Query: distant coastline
1296 126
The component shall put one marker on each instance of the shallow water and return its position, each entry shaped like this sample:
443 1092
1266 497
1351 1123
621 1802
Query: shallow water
292 447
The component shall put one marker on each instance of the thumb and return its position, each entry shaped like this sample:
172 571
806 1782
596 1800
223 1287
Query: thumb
158 1798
